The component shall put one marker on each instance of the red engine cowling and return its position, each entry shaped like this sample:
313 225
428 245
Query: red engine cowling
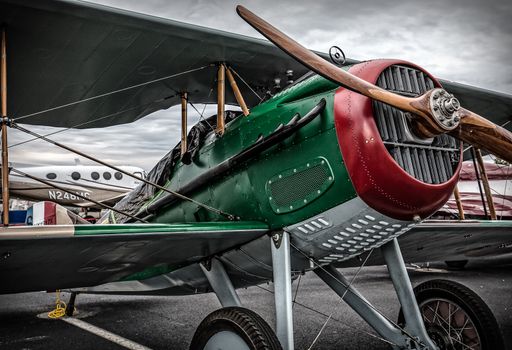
396 176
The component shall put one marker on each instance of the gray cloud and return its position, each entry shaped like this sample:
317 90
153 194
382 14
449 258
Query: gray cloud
468 41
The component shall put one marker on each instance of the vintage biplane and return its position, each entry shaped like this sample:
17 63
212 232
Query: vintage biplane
325 166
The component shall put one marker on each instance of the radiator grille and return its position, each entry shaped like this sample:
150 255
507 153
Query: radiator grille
431 161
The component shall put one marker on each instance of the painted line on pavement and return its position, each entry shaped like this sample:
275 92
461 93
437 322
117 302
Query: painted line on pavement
105 334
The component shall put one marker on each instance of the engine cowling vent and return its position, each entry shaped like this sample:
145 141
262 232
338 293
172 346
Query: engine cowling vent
433 161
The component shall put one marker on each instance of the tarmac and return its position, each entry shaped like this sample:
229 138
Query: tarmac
142 322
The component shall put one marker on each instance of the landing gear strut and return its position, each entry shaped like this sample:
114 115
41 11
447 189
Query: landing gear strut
231 327
414 336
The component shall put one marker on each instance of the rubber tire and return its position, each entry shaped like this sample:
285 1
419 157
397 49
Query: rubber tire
247 324
482 317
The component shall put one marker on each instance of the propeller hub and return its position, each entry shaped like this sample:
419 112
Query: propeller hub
444 107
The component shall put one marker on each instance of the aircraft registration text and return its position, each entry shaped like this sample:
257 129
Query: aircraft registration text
53 194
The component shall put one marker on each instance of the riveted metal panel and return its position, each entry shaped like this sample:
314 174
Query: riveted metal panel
296 187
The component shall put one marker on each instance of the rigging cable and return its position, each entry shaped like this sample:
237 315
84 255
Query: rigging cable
332 318
342 297
201 115
174 193
356 295
92 121
242 79
47 183
507 180
477 174
110 93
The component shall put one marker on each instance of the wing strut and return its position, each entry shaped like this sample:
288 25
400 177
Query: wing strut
456 194
220 99
236 91
183 123
5 154
485 182
94 159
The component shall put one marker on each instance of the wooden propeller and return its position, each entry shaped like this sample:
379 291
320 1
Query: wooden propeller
434 112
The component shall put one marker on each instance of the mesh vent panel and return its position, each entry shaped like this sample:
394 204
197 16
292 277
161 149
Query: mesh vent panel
296 187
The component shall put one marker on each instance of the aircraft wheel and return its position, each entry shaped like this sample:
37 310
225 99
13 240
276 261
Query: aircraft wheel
234 328
456 317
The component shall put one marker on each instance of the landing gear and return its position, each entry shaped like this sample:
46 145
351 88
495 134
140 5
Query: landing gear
455 317
231 327
234 328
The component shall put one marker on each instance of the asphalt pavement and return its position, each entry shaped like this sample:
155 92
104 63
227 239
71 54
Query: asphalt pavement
142 322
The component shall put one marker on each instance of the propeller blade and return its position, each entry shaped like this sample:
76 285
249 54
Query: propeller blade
482 133
329 70
434 112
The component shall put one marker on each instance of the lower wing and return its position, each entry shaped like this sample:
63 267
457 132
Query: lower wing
452 240
34 258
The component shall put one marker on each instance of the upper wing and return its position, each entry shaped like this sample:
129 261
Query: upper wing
56 257
452 240
61 52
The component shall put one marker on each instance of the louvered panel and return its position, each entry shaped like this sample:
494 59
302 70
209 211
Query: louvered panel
425 166
433 167
433 162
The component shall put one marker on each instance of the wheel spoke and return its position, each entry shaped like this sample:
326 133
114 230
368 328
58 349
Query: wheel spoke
448 323
457 318
435 311
449 318
464 326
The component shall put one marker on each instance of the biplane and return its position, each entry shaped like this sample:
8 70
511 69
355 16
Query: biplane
330 169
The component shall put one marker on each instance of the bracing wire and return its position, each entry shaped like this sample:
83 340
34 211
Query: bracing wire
92 121
204 105
507 174
309 308
246 84
356 295
110 93
38 136
50 184
201 114
297 290
342 297
174 193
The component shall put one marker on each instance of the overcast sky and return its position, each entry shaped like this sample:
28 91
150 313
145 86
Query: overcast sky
468 41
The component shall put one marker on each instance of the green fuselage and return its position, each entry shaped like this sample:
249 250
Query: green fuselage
246 190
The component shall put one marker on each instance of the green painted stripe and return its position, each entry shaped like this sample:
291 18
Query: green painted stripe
91 230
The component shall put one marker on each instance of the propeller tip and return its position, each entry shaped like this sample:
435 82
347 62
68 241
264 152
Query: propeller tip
240 9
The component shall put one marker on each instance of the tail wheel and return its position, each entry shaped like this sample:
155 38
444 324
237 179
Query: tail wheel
456 318
234 328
